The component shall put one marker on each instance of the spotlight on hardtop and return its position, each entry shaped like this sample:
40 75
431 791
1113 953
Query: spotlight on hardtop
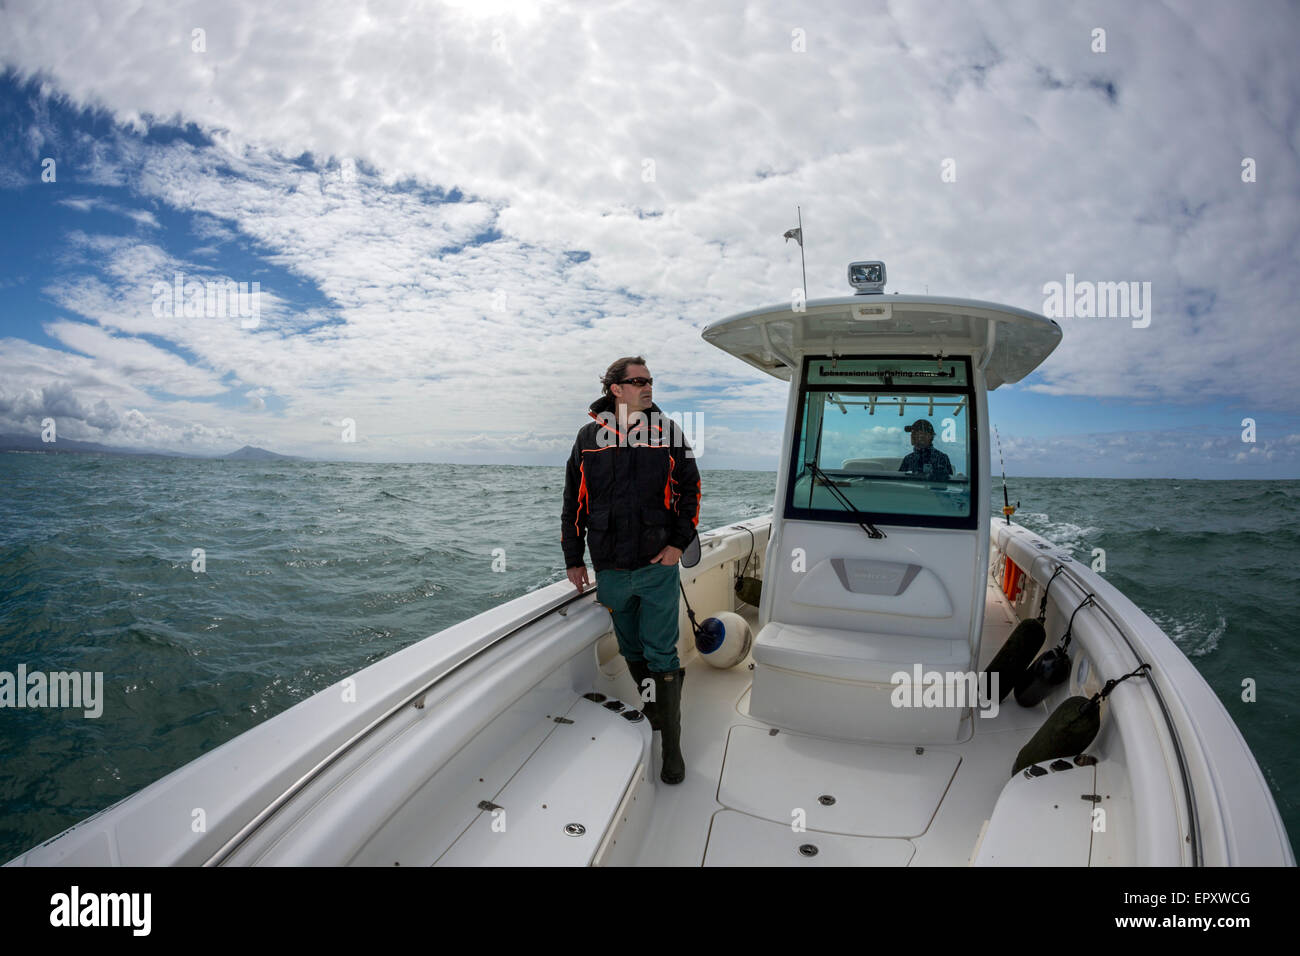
867 277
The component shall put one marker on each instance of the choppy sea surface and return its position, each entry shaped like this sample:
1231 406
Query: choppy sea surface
313 570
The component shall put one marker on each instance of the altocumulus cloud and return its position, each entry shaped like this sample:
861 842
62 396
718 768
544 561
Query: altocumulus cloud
487 203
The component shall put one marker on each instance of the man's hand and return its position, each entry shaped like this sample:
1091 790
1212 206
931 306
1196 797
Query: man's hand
668 556
578 577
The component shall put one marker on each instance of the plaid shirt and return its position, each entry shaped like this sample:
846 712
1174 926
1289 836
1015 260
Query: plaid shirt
930 463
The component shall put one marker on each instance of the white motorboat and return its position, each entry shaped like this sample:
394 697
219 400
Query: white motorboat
833 723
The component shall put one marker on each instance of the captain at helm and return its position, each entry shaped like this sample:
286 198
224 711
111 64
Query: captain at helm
853 423
925 460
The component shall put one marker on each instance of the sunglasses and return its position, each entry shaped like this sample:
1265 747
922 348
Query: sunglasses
638 382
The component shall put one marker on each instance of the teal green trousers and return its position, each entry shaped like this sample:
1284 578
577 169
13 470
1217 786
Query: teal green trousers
646 606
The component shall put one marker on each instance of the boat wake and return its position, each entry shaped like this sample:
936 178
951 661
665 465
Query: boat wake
1196 634
1064 534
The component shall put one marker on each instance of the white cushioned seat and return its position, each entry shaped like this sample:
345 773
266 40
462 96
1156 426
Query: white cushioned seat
834 683
855 655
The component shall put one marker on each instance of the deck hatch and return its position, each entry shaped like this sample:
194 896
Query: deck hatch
880 791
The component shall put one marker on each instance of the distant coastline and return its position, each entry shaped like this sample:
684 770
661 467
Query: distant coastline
68 446
26 444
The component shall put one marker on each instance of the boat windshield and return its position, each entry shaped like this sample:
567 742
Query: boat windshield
893 434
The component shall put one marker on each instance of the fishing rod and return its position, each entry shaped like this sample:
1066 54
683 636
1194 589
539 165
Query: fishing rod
1007 508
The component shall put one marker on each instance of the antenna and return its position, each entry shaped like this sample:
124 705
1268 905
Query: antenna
802 268
797 235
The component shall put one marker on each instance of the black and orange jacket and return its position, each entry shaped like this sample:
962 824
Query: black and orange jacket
630 494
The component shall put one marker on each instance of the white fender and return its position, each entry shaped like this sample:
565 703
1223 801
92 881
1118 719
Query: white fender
725 639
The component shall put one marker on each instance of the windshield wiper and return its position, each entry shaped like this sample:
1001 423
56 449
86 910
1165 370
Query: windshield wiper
871 530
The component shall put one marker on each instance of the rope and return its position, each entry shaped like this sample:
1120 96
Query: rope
1069 628
1042 605
1109 686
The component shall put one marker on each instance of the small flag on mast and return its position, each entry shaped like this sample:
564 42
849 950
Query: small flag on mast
797 235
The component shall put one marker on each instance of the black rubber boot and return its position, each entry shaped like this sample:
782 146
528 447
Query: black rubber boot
668 689
640 672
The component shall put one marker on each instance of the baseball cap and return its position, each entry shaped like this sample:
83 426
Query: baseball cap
920 425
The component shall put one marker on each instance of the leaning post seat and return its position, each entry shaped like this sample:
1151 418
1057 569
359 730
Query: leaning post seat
838 683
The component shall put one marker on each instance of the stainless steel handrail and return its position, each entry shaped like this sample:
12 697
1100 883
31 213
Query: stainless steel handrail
275 805
1188 790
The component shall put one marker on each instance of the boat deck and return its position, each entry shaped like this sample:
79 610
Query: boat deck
893 805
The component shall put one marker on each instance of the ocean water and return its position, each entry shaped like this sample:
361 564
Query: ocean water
314 570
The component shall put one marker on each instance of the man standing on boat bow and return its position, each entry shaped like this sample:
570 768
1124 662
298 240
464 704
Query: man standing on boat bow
633 490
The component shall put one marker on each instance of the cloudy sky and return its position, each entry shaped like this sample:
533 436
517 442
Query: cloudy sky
459 213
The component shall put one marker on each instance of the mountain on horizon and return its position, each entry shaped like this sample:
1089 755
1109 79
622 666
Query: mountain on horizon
250 453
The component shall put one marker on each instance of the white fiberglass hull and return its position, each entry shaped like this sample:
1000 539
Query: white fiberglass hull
477 746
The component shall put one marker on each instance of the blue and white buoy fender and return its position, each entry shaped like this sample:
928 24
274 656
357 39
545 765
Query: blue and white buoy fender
724 639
